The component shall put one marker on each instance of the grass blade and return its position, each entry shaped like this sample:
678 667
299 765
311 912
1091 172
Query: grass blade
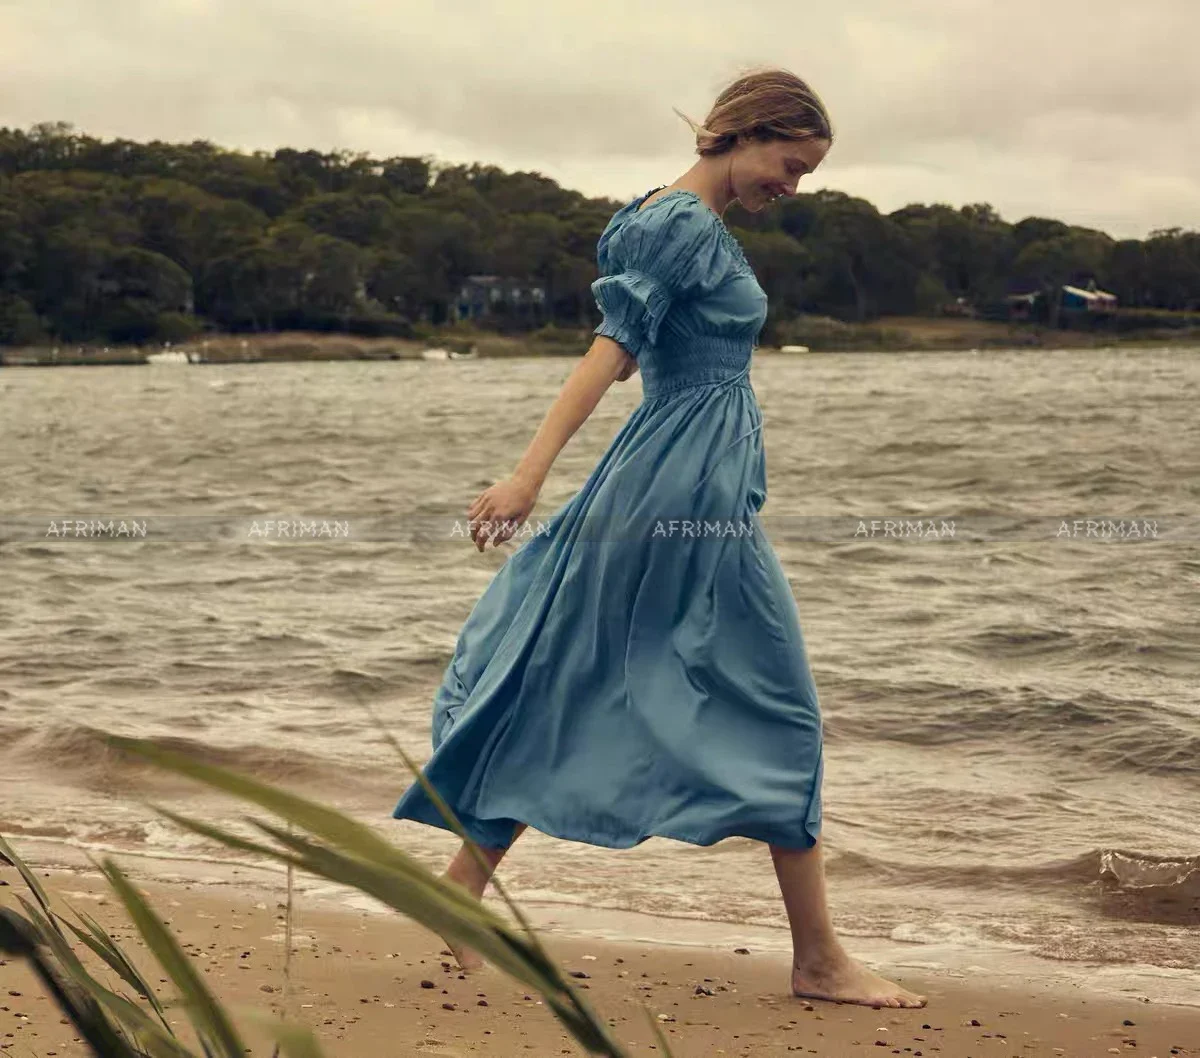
159 1042
46 921
448 815
327 823
338 830
423 899
9 854
451 898
295 1040
508 950
420 898
55 940
366 859
658 1032
20 937
456 826
209 1018
107 949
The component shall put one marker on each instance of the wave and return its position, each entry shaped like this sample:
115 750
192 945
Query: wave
1102 729
1118 883
1015 642
1113 649
81 756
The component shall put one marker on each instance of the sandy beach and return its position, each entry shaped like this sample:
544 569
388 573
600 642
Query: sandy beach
375 985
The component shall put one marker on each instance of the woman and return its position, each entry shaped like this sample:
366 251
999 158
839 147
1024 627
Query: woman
638 668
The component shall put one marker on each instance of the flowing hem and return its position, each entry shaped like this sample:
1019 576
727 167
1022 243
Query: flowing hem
498 831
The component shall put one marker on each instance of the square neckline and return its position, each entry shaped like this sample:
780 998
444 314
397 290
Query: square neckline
640 202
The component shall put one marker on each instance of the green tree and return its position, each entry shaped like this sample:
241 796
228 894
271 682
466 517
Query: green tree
304 237
357 218
1172 259
19 323
864 264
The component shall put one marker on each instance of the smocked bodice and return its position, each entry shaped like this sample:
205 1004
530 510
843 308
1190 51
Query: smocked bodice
677 292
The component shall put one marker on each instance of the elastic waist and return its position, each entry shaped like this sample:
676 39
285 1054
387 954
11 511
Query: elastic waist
714 378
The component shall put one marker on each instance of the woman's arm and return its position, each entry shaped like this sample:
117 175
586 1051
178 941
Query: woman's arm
510 501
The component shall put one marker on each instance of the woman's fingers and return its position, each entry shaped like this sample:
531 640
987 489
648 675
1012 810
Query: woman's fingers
490 521
496 527
484 527
479 511
477 520
497 530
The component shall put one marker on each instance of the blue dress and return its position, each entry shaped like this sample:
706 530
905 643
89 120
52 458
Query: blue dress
637 667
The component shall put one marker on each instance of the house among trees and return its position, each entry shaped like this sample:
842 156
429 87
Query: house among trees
1020 306
482 296
1072 299
1089 298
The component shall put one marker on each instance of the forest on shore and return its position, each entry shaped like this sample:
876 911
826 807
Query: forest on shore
119 241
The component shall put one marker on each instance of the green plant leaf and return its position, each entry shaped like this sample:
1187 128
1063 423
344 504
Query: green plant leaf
329 824
444 810
53 938
658 1032
21 937
421 897
7 852
162 1043
296 1041
361 859
208 1017
506 949
110 952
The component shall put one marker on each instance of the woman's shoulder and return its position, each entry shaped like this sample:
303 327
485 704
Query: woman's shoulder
674 211
674 224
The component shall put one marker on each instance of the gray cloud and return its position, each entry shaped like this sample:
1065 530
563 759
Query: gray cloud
1089 113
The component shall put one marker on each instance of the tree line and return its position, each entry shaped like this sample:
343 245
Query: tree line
125 241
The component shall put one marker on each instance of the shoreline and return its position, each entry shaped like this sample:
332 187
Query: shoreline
950 959
356 973
17 362
899 334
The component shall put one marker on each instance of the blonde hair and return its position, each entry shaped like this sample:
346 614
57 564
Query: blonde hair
764 105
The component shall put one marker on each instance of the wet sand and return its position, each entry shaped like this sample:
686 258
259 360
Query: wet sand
356 979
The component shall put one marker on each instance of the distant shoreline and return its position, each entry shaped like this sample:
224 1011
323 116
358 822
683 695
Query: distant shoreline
894 334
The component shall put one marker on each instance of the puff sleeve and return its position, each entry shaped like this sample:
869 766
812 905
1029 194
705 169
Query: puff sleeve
669 252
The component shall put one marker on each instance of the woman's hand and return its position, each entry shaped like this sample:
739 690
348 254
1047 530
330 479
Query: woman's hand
499 510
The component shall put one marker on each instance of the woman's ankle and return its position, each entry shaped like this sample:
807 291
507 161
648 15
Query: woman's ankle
817 953
467 877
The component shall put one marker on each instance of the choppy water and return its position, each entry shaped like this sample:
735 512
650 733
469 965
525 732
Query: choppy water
1013 723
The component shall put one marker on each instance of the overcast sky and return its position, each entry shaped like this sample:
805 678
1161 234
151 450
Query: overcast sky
1087 112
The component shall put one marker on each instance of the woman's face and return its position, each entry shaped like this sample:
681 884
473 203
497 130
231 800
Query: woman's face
768 169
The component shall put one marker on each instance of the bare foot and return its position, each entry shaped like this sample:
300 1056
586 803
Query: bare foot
468 959
841 979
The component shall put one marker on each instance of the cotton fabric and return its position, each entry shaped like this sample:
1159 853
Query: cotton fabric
638 669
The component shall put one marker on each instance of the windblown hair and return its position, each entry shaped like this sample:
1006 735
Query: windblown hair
764 105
